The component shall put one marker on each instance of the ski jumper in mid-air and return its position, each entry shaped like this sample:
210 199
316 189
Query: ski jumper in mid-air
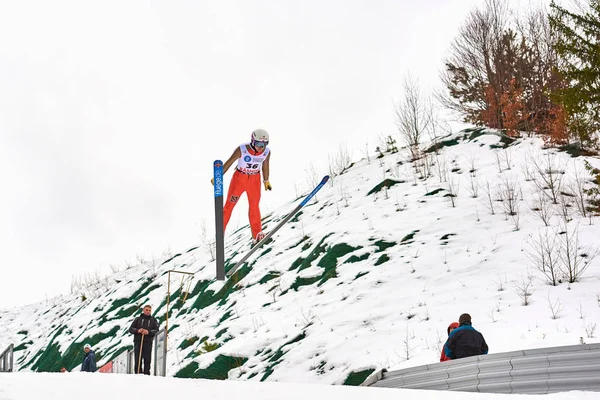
252 158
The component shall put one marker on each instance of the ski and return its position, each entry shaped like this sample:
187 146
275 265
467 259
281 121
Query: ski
219 240
279 225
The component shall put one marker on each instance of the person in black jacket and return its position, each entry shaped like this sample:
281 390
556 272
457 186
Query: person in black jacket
89 360
143 329
465 341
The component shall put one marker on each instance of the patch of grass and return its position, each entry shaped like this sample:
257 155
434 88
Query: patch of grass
353 259
475 133
23 346
388 183
442 144
269 249
575 150
188 342
221 333
303 263
382 245
170 259
383 258
23 332
208 297
447 236
328 262
225 316
434 192
409 238
304 239
296 217
357 378
126 312
269 276
276 358
360 274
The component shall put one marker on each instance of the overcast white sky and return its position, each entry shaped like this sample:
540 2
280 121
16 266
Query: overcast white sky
112 112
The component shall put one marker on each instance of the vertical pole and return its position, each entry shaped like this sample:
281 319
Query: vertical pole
167 316
219 240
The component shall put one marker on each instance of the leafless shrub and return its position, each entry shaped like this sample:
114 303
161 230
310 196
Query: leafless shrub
544 254
543 208
507 155
564 206
524 289
407 343
509 192
500 283
498 157
489 201
452 187
590 329
473 160
574 263
473 186
549 174
578 189
413 115
208 243
554 306
441 167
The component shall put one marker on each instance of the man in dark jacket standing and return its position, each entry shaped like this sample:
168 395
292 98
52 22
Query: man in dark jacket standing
89 359
465 341
143 329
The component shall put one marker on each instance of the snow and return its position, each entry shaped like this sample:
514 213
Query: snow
461 259
114 386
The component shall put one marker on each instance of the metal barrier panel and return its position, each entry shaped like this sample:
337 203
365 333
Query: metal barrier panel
120 363
160 354
6 359
130 362
535 371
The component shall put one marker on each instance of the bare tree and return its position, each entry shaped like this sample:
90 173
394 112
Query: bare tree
549 173
524 289
473 186
543 208
441 167
473 64
413 116
573 263
208 243
453 186
509 193
554 306
577 186
489 201
564 205
544 254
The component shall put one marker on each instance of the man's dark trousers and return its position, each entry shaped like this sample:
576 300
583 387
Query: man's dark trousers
146 356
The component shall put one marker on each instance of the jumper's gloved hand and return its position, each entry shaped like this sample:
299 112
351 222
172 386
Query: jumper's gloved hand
267 185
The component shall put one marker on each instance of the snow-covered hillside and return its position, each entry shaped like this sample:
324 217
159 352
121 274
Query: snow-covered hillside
367 276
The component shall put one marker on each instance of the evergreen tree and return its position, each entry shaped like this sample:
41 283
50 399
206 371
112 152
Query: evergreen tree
578 45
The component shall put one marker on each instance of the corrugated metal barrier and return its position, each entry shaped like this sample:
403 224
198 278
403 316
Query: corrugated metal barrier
536 371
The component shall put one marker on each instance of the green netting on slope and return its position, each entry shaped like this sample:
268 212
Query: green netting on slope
357 378
387 183
219 369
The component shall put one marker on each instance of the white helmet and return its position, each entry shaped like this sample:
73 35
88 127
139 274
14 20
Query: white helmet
260 138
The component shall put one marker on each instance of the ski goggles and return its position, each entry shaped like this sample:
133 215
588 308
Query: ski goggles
260 144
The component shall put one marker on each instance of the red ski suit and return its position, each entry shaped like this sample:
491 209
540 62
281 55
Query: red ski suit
251 184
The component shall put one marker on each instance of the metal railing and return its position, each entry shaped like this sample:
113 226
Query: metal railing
536 371
6 359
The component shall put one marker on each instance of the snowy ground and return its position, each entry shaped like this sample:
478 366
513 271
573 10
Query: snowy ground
388 309
76 386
